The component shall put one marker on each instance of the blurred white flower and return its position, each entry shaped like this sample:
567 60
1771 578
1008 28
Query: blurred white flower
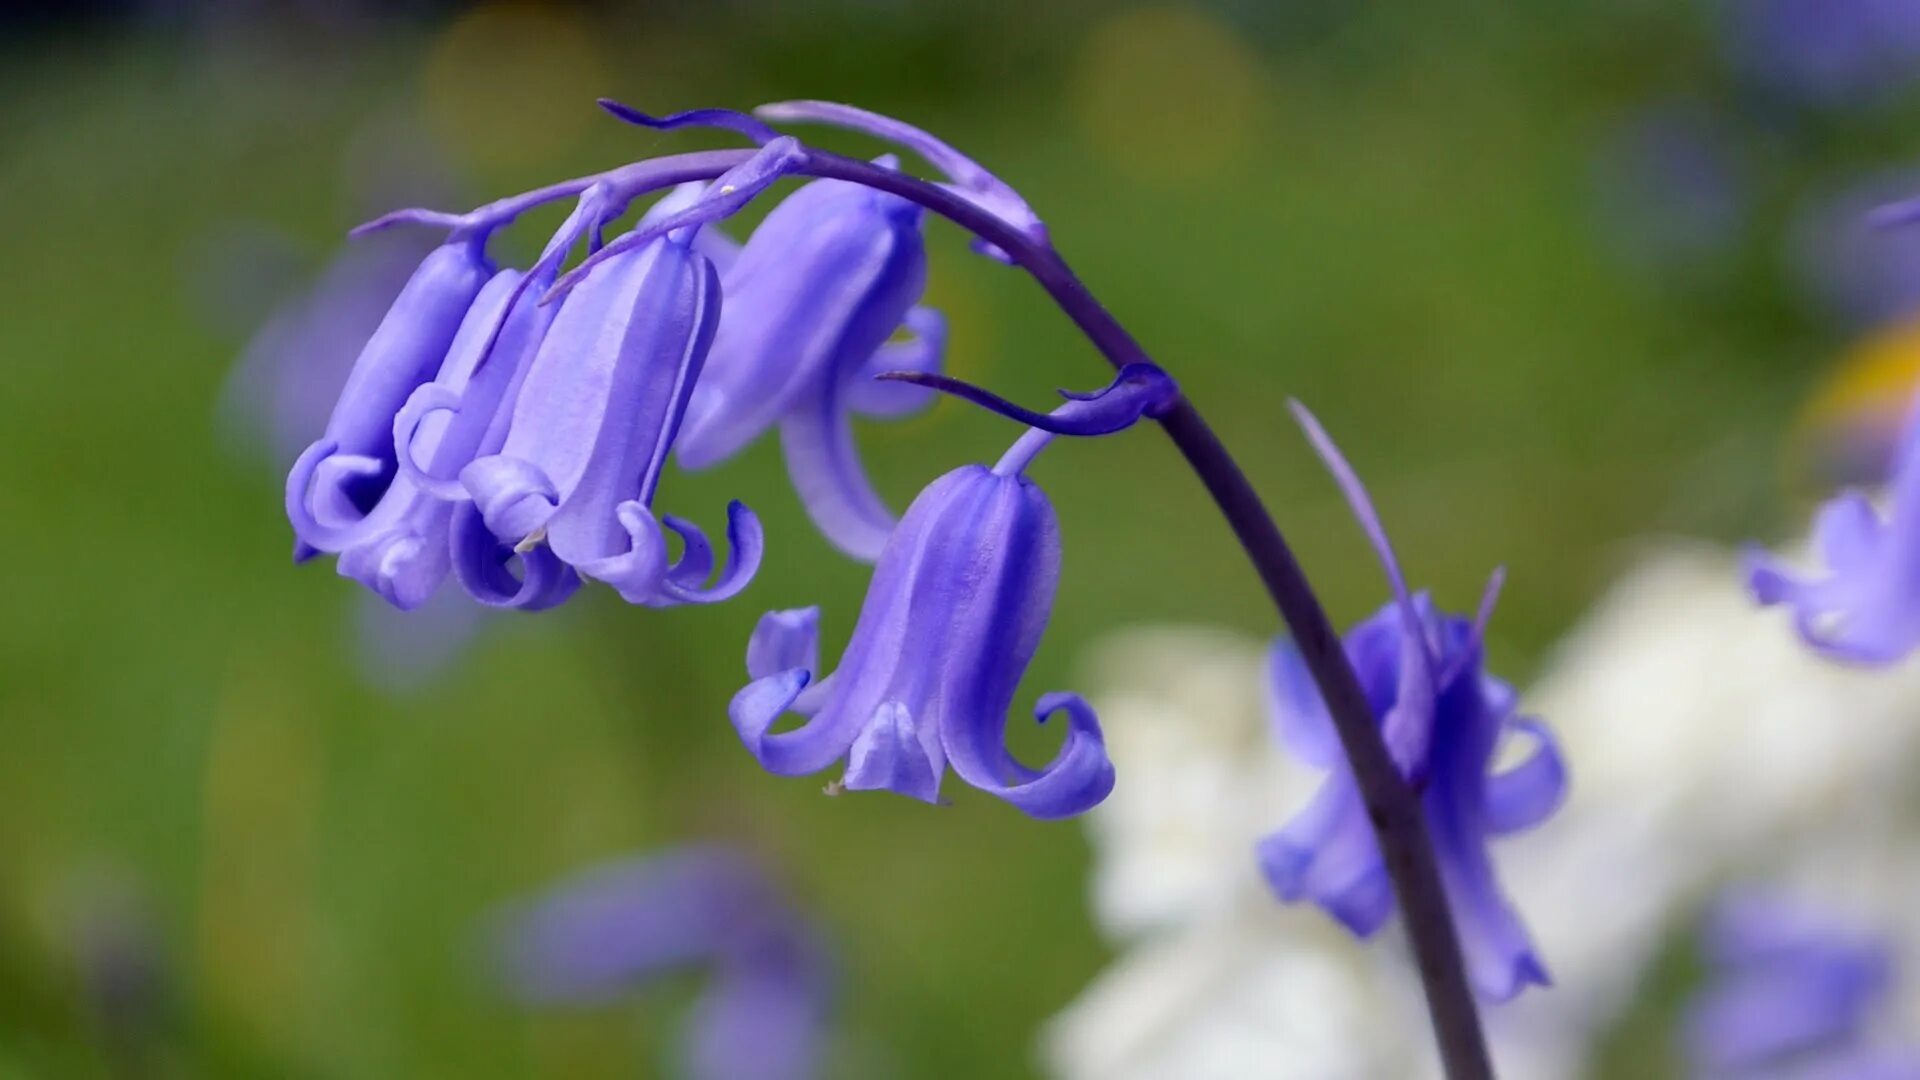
1221 981
1704 742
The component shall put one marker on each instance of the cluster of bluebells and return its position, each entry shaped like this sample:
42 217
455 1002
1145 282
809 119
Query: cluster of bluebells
616 929
1792 992
1443 718
509 429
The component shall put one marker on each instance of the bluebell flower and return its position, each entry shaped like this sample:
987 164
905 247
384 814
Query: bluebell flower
819 287
958 602
1792 992
399 547
1443 719
609 933
345 473
571 484
1865 606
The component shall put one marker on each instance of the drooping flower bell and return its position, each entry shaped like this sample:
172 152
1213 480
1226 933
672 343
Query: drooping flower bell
955 611
1866 607
1443 720
345 474
763 1014
399 548
572 483
1791 989
818 289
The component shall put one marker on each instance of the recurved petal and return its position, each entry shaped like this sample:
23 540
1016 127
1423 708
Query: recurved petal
813 746
483 565
1529 793
1075 781
404 566
893 754
746 542
783 641
1326 854
696 553
1500 958
1850 617
637 573
512 494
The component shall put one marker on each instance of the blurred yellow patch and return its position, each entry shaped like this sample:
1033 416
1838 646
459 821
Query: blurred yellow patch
255 949
1168 95
515 82
1849 428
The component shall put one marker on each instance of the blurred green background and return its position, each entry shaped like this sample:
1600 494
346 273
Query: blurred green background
1388 211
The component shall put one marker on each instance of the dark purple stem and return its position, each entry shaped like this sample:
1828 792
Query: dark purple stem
1392 805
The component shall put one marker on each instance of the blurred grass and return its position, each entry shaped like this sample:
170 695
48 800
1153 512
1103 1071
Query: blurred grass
1395 231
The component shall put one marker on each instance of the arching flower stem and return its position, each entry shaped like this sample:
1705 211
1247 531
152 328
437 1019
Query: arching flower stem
1393 807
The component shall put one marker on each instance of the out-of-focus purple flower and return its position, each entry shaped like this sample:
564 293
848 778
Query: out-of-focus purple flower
1824 53
300 355
832 273
1443 720
1864 272
122 967
957 605
1865 607
1668 186
614 930
1791 988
